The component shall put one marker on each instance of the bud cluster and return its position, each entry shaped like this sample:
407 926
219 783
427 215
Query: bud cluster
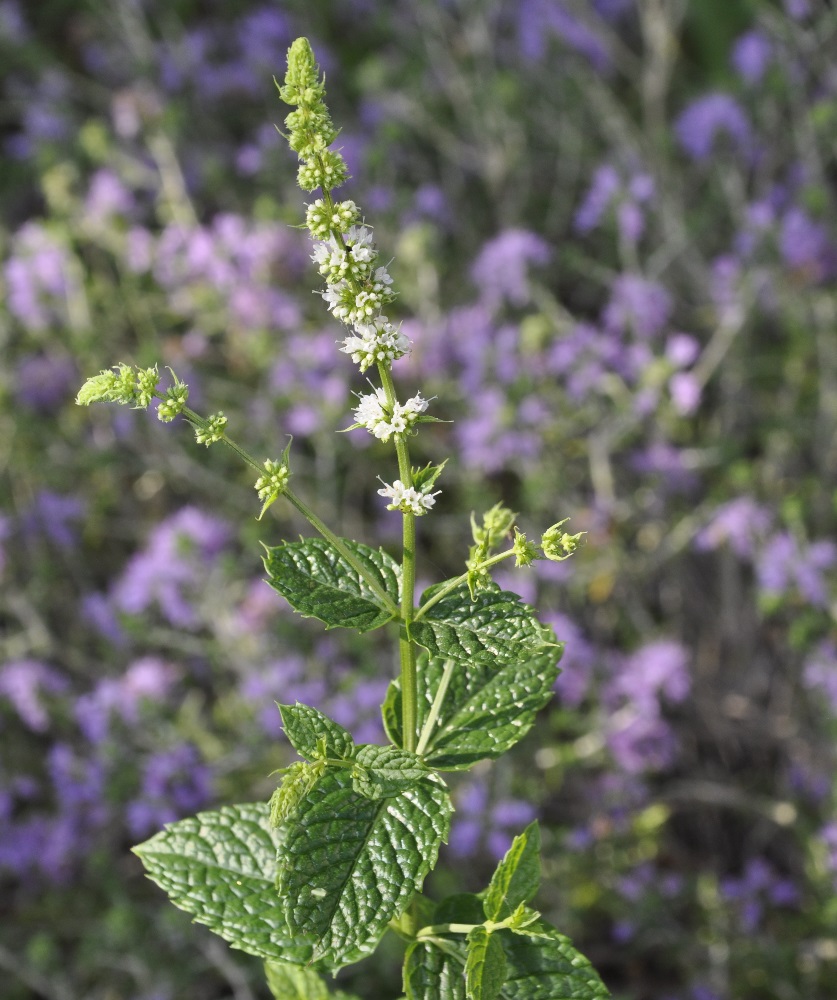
408 499
126 384
344 251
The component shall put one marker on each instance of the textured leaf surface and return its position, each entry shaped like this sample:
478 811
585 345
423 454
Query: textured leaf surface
387 770
430 973
517 877
309 731
548 967
485 966
487 708
293 982
318 582
349 864
220 867
494 626
297 782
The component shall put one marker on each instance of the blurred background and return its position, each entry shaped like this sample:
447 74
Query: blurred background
612 225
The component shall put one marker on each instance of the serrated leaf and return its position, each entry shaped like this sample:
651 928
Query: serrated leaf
486 710
494 626
485 965
317 581
293 982
309 731
431 973
348 864
544 965
517 877
386 770
541 966
220 867
297 782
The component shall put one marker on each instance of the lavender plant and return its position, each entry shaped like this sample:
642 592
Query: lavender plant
310 881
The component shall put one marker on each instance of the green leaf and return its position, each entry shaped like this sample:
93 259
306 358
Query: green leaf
348 864
293 982
486 710
310 732
318 582
494 626
517 877
540 966
461 908
431 973
386 771
544 965
220 867
485 966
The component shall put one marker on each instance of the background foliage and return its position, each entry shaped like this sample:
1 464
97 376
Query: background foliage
612 227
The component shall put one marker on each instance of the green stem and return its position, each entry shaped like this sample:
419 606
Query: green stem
436 707
315 522
453 584
436 929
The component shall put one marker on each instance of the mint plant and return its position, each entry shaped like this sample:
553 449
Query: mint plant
311 880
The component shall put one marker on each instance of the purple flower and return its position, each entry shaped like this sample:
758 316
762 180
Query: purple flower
537 20
604 188
804 245
174 783
751 55
710 116
577 663
641 744
107 196
172 566
682 350
740 523
685 393
782 563
820 673
45 381
637 305
23 682
501 269
53 515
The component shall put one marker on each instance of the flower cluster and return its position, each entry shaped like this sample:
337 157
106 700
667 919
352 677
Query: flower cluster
344 252
274 482
121 384
408 499
173 402
212 430
384 420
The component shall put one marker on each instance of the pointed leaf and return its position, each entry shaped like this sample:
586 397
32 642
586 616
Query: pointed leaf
431 973
486 710
349 864
517 877
544 965
387 771
485 966
309 731
494 626
220 867
317 581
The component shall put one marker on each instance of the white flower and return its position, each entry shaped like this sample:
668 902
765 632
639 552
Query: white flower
408 499
376 341
375 414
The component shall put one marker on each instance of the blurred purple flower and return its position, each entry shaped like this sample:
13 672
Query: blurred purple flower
685 393
603 190
751 55
758 886
537 20
45 381
52 515
146 679
700 124
171 566
797 9
820 673
631 221
501 269
477 821
664 460
637 305
640 744
36 277
13 27
804 245
577 663
107 196
782 564
174 783
22 682
682 349
740 523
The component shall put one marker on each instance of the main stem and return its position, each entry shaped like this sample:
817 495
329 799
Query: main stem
406 649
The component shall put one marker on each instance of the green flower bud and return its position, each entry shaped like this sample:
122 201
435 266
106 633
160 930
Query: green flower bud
322 221
212 430
302 82
558 545
525 553
275 480
173 402
326 170
496 524
109 386
146 386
